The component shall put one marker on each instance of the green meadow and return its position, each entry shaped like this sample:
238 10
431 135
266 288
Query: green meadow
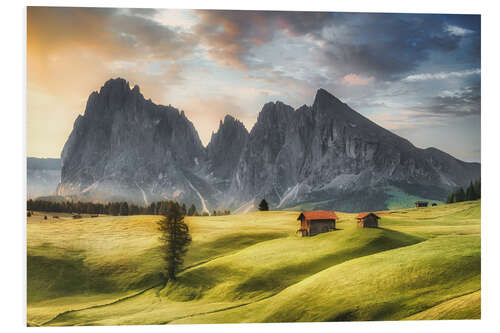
420 264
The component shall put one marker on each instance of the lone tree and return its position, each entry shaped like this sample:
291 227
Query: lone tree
174 239
263 205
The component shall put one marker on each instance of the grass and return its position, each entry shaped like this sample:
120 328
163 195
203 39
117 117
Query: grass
463 307
420 264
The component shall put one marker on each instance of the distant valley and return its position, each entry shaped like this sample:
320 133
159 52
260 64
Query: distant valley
43 176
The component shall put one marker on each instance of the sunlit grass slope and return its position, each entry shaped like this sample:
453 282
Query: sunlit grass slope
421 264
74 264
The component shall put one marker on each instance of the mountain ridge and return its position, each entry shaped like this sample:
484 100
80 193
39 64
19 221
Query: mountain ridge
127 146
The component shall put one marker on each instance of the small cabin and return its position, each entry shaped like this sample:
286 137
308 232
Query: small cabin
316 222
419 204
368 220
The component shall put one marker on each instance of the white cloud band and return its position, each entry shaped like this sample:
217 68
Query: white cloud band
440 75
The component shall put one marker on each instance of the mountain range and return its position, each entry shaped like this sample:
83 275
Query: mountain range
323 156
43 176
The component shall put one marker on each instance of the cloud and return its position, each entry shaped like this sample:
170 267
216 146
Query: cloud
230 35
440 75
356 79
460 103
73 51
215 62
77 42
385 46
116 33
293 90
458 31
403 119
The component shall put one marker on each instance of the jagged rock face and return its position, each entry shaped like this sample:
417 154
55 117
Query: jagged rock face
329 153
126 147
225 148
257 169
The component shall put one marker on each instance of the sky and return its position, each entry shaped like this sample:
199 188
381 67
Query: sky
418 75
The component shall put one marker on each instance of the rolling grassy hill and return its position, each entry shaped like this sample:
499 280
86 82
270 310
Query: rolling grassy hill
420 264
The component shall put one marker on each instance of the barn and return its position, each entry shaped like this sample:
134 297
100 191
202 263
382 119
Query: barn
316 222
368 220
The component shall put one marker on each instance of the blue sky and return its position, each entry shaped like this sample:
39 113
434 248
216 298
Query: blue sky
417 75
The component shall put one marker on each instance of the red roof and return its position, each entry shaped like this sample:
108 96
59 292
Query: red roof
363 215
319 215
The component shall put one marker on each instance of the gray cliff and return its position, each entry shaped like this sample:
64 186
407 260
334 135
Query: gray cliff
324 156
332 157
125 147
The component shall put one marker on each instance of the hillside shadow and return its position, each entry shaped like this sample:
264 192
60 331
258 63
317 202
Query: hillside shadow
64 273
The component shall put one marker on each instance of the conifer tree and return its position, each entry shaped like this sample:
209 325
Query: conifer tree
477 188
162 210
124 208
460 195
451 198
263 206
470 194
192 210
174 238
114 208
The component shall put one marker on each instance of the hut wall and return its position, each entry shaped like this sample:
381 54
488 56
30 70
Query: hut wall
320 226
370 221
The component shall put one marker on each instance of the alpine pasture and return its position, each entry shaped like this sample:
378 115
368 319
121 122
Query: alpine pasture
419 264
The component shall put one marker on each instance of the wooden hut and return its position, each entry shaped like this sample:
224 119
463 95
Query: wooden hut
368 220
419 204
316 222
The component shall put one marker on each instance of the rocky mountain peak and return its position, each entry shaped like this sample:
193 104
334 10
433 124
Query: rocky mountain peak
127 148
326 101
274 114
116 83
115 95
228 122
229 118
226 146
115 87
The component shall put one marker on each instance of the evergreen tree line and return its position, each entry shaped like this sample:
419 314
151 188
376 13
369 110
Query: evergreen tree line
472 192
220 212
117 208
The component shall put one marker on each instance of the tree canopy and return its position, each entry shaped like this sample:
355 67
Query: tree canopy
174 238
263 205
473 192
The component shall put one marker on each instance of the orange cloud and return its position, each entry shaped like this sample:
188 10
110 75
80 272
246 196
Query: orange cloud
73 51
230 34
358 80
